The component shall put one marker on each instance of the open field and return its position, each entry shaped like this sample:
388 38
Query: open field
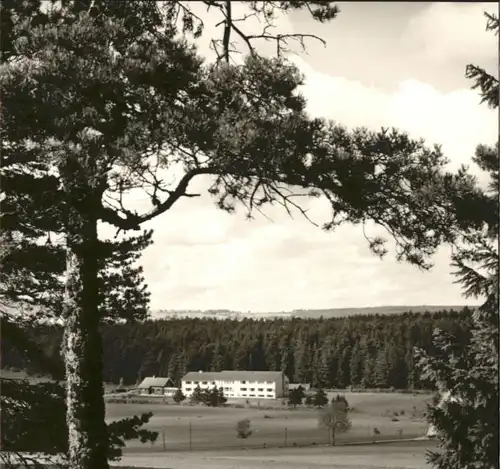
407 455
199 428
402 455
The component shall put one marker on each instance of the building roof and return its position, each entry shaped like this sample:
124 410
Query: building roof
153 381
231 375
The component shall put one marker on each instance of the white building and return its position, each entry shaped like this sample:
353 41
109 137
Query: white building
240 384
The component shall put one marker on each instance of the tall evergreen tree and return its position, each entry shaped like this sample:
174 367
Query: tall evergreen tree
356 366
172 370
217 358
466 423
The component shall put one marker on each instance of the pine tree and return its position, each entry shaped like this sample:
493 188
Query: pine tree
381 369
85 106
466 423
325 365
217 359
197 395
356 366
296 396
320 399
221 399
179 396
172 371
299 359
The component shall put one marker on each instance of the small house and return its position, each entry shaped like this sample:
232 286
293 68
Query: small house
157 386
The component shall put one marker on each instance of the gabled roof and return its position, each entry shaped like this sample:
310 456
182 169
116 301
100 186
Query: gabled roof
154 382
231 375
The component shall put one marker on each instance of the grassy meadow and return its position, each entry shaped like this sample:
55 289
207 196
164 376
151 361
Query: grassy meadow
405 455
185 427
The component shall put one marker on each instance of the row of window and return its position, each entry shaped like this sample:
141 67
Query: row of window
257 382
232 382
268 390
245 394
259 389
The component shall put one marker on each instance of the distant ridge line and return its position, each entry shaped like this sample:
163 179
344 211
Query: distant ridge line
304 313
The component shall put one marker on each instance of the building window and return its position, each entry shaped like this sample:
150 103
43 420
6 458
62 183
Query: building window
243 382
269 389
270 395
204 382
243 389
260 389
252 395
213 383
188 389
196 382
188 382
261 395
252 389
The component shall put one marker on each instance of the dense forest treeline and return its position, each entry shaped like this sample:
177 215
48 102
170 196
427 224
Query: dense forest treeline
361 351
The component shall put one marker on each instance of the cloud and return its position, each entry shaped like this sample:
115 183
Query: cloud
455 120
204 258
452 31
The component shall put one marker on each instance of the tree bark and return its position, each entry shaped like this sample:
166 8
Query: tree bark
82 345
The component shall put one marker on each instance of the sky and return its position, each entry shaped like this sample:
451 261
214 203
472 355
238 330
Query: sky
385 64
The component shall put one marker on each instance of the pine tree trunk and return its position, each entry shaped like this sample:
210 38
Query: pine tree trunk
85 415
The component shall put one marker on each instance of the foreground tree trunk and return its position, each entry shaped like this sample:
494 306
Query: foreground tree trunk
85 417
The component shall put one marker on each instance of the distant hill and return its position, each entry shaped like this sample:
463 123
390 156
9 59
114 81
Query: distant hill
302 313
342 312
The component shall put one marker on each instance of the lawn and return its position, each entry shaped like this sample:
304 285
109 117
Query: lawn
184 427
403 455
407 455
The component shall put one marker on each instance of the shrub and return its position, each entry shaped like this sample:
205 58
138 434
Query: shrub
243 430
179 396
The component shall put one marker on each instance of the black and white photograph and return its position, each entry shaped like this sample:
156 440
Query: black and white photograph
249 234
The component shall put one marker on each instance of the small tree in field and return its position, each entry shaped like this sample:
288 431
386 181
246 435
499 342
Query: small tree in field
335 418
243 430
341 398
221 399
197 395
296 396
214 397
179 396
320 399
